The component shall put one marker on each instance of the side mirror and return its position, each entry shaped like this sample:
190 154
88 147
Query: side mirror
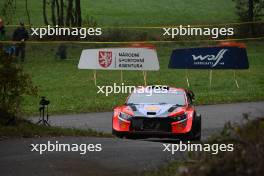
191 96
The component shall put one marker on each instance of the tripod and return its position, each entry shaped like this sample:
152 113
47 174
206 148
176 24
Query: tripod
42 112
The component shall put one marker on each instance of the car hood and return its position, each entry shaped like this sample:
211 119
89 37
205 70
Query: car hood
155 110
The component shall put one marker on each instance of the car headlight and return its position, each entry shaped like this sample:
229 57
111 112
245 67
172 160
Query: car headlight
124 117
182 117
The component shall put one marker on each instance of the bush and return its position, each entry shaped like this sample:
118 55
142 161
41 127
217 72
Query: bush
246 160
14 84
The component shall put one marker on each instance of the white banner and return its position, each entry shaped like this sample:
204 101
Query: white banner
119 59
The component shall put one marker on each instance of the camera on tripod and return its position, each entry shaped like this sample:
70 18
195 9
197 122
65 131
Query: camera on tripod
44 111
44 102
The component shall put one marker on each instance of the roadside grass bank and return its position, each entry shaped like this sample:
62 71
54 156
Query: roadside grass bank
26 129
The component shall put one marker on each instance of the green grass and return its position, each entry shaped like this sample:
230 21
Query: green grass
142 12
72 91
27 129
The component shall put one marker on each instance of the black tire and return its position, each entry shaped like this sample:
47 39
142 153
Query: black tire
117 134
195 133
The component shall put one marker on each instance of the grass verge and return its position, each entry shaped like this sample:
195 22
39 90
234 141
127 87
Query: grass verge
27 129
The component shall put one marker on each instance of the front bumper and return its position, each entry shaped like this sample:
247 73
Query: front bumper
152 126
150 134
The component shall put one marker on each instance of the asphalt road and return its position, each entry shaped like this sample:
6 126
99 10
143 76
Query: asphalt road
213 117
118 156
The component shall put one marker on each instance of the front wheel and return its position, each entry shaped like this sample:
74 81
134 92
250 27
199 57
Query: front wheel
195 133
117 134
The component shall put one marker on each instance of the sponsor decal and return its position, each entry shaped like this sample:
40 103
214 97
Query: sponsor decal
152 108
209 58
105 58
130 60
119 59
213 60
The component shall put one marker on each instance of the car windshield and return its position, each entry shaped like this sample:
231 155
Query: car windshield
176 98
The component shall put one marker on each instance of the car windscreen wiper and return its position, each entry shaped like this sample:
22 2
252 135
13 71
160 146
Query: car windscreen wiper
173 105
131 104
178 105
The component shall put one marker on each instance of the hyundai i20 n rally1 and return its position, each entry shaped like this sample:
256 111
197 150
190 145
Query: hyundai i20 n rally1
150 113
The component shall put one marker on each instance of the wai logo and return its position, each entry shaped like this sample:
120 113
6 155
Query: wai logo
215 59
105 58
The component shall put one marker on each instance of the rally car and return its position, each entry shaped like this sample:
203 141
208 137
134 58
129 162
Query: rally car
150 113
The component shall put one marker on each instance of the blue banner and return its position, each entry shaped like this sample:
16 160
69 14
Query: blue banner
209 58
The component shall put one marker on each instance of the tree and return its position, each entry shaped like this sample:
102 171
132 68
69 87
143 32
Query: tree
78 13
44 12
73 12
27 11
250 10
7 10
14 84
